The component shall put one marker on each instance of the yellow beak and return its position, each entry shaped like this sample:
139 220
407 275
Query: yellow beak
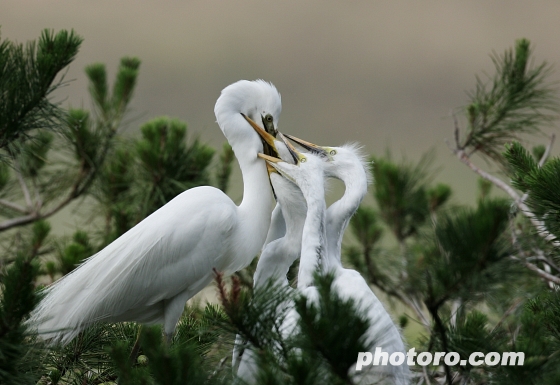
269 139
308 145
269 158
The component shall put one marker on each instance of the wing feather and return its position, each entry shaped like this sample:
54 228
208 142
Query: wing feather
164 255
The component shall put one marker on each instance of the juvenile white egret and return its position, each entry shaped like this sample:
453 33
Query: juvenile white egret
274 263
307 174
348 164
149 273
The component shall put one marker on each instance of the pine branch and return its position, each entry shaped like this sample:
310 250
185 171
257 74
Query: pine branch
541 273
26 81
433 308
523 208
518 101
13 206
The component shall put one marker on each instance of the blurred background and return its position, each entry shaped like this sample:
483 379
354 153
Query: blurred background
385 74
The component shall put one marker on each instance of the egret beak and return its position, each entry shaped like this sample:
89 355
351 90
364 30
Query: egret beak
270 169
298 157
269 158
268 140
309 146
275 163
293 152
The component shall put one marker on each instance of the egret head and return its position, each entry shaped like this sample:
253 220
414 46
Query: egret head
307 173
346 162
257 102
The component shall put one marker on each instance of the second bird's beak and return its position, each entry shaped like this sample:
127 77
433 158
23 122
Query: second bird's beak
321 151
298 156
274 163
270 161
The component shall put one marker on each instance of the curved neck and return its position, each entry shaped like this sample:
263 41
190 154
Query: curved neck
273 266
280 254
313 242
256 206
339 214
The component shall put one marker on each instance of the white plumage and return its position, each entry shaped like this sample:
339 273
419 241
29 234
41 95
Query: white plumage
274 263
149 273
347 164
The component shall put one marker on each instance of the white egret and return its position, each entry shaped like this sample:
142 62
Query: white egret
148 274
274 263
307 174
349 165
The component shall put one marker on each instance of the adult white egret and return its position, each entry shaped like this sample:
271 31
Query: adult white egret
347 164
149 273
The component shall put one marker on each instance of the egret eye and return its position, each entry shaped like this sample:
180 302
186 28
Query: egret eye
268 124
333 152
303 160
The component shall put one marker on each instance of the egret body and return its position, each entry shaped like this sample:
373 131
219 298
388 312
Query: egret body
149 273
348 164
274 263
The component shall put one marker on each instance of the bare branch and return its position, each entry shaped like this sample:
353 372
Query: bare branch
37 215
425 373
456 133
23 186
539 225
13 206
540 257
19 221
511 309
543 274
547 151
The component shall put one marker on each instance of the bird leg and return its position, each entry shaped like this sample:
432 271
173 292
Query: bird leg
168 338
136 348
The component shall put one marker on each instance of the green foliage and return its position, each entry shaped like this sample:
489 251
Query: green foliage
368 231
74 252
404 196
331 329
518 101
126 81
18 357
34 151
97 75
540 183
538 152
169 165
438 196
4 175
17 301
86 359
85 141
365 227
27 78
471 247
484 188
116 192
